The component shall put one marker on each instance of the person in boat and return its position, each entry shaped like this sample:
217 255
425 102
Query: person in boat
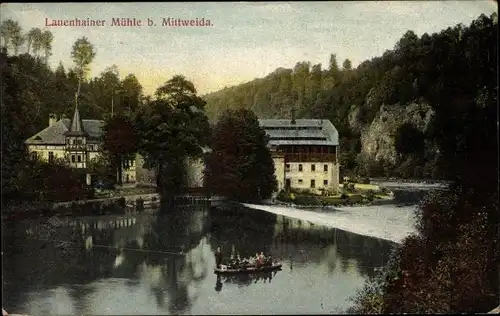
262 258
237 260
218 257
258 260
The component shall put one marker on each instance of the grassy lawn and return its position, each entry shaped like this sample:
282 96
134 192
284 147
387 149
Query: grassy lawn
363 194
367 187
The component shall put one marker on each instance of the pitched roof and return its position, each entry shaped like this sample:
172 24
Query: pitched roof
76 128
303 132
54 134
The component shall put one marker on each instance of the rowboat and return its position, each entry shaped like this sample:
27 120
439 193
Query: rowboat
249 269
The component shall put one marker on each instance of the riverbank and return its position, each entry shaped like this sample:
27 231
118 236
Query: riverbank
353 194
117 203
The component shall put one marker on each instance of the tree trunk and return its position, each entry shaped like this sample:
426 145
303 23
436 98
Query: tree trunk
119 170
158 177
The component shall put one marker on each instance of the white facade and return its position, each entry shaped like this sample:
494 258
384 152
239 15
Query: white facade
316 177
279 171
305 154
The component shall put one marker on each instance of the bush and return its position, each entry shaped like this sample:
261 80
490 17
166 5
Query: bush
139 205
444 269
306 200
121 202
283 196
351 188
370 195
345 186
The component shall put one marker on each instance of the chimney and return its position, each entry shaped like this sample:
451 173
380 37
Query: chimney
293 116
52 119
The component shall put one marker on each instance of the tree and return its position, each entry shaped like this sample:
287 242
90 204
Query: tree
240 165
34 40
109 88
46 44
347 65
120 142
30 38
172 127
132 93
17 41
83 54
10 33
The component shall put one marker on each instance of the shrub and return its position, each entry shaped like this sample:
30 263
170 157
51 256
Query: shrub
370 195
444 269
121 202
283 196
306 200
350 188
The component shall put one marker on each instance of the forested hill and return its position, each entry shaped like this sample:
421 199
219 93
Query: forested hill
391 111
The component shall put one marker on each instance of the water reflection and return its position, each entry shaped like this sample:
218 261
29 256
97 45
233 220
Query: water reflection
244 279
163 264
299 242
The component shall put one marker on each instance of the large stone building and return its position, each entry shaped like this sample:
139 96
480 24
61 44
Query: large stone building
305 154
77 141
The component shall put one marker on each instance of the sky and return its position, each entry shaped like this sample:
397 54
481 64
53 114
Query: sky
246 40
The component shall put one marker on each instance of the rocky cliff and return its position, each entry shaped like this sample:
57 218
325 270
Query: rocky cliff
377 138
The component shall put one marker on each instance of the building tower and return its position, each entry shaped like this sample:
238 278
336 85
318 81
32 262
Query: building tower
76 142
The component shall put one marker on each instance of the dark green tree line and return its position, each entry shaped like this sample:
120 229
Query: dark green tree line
451 70
240 166
171 128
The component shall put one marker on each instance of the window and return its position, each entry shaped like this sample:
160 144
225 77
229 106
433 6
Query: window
131 163
300 181
325 182
313 167
73 158
34 155
79 158
313 183
300 167
51 156
287 167
325 168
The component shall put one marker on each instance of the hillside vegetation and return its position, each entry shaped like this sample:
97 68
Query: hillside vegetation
395 112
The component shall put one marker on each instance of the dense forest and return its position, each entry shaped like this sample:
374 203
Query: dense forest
159 127
31 91
420 92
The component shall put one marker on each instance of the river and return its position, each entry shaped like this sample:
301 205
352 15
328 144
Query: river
163 263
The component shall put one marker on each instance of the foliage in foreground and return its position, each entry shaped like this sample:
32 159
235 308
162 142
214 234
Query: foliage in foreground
240 166
41 181
451 264
447 267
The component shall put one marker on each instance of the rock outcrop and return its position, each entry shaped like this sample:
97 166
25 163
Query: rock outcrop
377 139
